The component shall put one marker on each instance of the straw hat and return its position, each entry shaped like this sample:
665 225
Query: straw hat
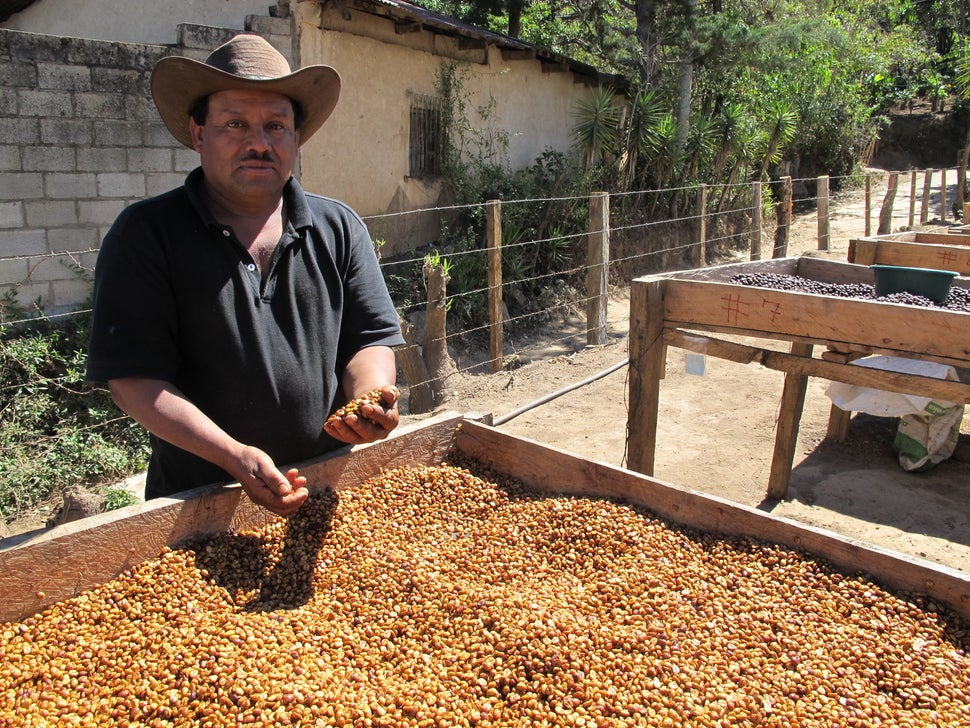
245 62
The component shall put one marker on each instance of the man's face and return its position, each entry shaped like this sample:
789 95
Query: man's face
248 145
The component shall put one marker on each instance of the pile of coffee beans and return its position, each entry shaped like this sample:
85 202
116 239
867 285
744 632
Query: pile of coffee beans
957 300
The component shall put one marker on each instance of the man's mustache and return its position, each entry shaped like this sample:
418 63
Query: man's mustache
259 157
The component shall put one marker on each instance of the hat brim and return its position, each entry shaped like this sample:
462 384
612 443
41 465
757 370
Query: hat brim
178 82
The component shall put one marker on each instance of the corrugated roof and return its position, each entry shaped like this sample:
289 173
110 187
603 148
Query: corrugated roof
9 7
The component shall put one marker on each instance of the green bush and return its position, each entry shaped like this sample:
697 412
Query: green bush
56 429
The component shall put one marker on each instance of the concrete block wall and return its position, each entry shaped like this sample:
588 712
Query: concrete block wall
80 139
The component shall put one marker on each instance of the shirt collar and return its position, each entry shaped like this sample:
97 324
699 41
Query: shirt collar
294 201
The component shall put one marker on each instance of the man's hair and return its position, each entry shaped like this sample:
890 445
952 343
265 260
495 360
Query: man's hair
200 110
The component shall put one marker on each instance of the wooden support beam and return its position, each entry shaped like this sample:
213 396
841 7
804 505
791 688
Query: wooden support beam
401 27
786 431
800 364
512 54
648 356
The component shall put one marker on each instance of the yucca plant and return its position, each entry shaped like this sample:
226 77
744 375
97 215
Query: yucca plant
596 126
781 127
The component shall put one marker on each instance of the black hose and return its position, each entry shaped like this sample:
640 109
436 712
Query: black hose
558 393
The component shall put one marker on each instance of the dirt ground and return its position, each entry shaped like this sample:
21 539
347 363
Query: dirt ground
716 431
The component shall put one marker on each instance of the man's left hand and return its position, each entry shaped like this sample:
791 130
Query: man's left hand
372 423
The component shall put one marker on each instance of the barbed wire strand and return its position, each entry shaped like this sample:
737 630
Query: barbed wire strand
570 342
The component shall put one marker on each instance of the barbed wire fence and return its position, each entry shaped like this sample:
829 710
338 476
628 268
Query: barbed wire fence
645 232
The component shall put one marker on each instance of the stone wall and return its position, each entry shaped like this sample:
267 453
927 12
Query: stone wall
79 140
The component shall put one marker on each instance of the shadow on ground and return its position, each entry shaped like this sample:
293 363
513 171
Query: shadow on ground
935 503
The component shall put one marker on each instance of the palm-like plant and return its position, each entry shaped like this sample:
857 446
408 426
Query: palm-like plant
644 114
596 126
781 127
664 152
736 138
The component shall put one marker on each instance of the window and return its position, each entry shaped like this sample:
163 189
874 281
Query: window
427 136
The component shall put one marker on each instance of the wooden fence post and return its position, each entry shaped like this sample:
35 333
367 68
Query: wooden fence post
924 210
598 266
784 220
912 198
756 220
701 261
962 180
420 393
493 232
886 213
868 205
434 350
823 212
943 194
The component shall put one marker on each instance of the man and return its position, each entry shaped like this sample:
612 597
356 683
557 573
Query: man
233 314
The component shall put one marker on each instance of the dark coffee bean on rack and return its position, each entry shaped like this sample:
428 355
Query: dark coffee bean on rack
958 299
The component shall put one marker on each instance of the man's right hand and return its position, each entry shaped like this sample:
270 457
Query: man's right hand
164 410
266 485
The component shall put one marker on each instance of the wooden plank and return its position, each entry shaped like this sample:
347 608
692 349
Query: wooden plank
821 269
921 237
904 330
832 370
539 466
781 266
862 252
60 563
557 471
926 255
730 350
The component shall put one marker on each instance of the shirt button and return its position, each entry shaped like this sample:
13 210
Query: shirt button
226 233
251 266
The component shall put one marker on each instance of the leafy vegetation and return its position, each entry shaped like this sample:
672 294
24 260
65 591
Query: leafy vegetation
56 430
820 74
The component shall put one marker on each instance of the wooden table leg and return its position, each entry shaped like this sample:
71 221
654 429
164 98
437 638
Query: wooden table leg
838 428
786 434
648 354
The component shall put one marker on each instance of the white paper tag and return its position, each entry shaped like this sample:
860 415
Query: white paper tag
695 363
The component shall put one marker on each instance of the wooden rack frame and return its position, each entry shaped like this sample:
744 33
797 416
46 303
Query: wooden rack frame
62 562
668 310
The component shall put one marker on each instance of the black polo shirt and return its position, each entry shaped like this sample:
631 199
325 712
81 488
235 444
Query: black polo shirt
177 297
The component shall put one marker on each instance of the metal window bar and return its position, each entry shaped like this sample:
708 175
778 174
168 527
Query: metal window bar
426 136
